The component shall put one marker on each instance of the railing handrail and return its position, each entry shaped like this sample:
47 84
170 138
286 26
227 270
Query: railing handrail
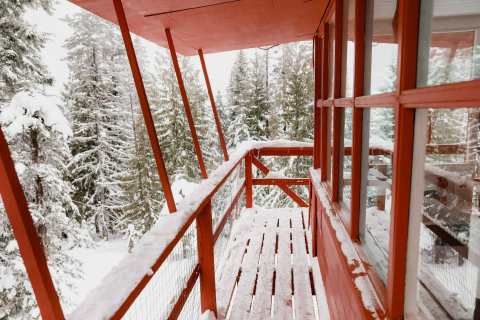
109 300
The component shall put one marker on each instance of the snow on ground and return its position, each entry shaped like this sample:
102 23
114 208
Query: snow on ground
96 261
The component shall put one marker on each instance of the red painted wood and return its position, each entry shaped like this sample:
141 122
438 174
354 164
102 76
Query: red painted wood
324 116
206 260
186 105
317 97
248 181
409 16
217 25
343 297
144 105
384 100
29 244
218 123
283 181
292 194
283 151
357 120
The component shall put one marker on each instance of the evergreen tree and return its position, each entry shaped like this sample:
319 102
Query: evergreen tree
238 95
257 105
96 98
37 133
21 67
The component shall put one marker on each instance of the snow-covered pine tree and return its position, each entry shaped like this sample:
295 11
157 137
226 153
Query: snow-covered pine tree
238 96
141 184
97 98
171 123
21 67
37 133
257 105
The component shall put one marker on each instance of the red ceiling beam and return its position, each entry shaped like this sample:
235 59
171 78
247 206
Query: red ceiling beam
29 244
186 105
218 124
144 104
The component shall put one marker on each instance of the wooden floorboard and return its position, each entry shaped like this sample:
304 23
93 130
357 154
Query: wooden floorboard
274 267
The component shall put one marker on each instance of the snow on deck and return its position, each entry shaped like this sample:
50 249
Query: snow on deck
104 300
268 272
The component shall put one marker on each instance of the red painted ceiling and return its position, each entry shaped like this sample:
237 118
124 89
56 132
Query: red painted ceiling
216 25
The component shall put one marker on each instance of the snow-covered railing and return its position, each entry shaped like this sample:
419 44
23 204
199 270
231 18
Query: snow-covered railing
119 290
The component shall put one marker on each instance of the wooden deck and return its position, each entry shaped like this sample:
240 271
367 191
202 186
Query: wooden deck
267 274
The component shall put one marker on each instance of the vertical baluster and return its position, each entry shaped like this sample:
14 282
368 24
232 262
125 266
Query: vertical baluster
248 181
205 245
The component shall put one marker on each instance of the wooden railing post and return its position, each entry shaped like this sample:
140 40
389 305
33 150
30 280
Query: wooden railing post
29 244
205 243
248 181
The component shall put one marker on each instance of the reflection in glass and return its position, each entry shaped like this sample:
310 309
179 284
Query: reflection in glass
348 48
346 190
449 46
381 46
448 276
376 218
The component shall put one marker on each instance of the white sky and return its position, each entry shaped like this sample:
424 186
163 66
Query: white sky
219 64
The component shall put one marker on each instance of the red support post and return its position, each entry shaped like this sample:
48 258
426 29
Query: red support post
218 123
186 104
324 110
357 120
144 104
408 25
317 110
29 244
205 245
248 181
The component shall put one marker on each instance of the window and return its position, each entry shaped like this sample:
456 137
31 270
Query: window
348 48
375 222
449 41
346 175
449 242
381 46
329 145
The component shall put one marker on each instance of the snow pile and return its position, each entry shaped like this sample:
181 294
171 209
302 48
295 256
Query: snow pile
30 110
181 188
103 301
208 315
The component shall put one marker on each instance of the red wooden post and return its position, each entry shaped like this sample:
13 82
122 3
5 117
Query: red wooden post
248 181
30 246
142 97
357 119
186 105
205 245
324 117
218 123
317 110
409 16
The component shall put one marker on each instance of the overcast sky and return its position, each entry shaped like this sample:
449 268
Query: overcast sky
219 65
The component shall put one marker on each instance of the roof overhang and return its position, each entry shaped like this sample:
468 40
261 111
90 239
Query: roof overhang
216 25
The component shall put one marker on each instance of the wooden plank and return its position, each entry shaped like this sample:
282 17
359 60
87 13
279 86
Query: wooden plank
261 308
301 277
283 278
229 275
243 301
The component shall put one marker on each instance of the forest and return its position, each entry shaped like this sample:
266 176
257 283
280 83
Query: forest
84 158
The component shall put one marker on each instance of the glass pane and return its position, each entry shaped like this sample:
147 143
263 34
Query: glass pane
381 48
345 193
329 146
448 277
376 222
449 42
331 56
348 48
